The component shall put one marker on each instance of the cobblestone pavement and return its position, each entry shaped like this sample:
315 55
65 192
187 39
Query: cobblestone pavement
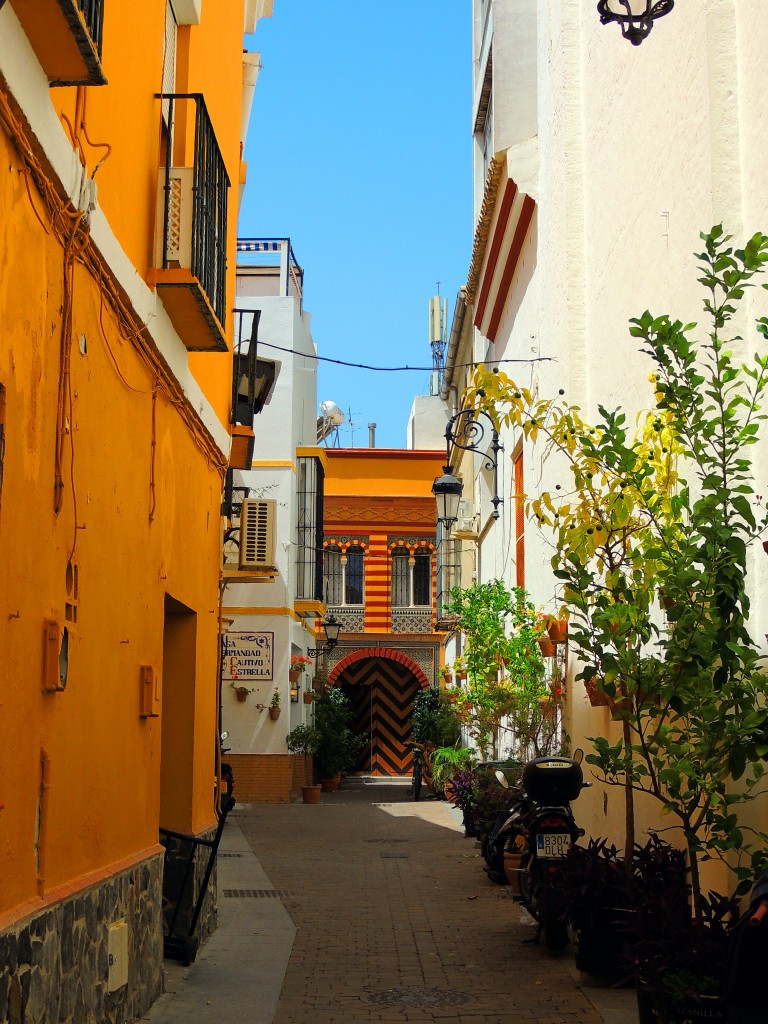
396 921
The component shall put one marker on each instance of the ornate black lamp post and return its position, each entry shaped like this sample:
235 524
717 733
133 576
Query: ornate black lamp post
636 17
465 431
332 628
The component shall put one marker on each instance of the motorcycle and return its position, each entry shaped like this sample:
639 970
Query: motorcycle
527 848
227 778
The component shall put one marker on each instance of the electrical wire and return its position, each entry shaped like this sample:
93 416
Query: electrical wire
398 369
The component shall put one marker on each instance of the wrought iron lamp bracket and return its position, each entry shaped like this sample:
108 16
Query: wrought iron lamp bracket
634 27
466 432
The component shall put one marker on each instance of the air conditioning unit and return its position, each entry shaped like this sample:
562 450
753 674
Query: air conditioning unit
466 526
257 534
178 245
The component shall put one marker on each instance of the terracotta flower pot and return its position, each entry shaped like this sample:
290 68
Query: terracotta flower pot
547 648
310 794
558 630
308 696
330 785
597 698
241 692
294 675
274 713
317 684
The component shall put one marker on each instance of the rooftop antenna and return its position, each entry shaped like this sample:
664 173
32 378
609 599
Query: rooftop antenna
438 333
352 424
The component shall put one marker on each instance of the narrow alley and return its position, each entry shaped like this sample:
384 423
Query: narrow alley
371 908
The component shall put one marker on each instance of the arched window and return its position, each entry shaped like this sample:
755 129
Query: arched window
400 578
422 578
334 581
411 578
354 576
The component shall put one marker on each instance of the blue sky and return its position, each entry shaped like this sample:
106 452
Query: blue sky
360 150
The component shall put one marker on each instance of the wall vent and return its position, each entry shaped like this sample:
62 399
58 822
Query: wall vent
257 534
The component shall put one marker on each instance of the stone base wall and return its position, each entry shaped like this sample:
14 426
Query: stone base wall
54 967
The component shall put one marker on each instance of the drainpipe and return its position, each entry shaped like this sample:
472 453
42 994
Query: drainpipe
42 818
457 329
371 435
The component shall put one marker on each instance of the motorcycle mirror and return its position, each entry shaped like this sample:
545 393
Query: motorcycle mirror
502 778
224 736
578 755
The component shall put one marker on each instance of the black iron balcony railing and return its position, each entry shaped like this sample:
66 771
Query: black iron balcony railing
93 15
210 182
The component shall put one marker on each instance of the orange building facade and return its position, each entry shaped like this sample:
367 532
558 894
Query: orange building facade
380 583
115 394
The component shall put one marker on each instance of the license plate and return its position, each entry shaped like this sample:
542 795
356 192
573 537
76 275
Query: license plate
552 845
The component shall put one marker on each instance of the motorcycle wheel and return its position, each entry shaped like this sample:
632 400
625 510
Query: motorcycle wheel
548 911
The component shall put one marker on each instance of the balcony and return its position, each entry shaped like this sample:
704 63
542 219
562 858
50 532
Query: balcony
268 266
191 246
66 36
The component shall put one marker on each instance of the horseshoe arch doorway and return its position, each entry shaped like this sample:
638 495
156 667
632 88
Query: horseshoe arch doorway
381 687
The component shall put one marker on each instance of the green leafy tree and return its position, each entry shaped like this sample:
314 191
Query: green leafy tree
506 692
651 548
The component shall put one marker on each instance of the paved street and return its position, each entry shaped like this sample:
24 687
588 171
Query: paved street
377 910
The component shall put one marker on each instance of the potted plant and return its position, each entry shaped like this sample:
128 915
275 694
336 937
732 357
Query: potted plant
446 762
460 667
434 717
241 692
274 706
299 665
445 674
304 740
319 680
308 696
338 746
502 625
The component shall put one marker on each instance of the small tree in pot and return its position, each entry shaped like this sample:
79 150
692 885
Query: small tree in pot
304 739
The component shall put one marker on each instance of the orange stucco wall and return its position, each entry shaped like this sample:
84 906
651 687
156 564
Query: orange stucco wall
126 116
140 496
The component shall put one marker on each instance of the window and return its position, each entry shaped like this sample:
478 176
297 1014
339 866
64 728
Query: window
422 578
411 578
334 581
309 540
354 576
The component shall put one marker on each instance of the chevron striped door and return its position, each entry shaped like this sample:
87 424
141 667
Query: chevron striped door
382 693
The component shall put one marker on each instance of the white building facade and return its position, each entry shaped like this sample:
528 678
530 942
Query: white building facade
597 165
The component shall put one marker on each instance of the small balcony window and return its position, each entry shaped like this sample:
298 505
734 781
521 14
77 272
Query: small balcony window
191 245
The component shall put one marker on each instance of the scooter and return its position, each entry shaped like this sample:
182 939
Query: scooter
528 848
227 777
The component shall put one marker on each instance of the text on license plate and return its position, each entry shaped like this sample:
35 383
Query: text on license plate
552 844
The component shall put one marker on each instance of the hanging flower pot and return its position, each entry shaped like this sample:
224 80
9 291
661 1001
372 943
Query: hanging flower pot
308 696
241 692
558 630
274 713
317 683
294 675
547 648
597 698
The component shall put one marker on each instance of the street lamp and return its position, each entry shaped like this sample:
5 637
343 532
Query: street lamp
634 26
465 431
332 628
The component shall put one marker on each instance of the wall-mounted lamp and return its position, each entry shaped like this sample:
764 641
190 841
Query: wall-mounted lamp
636 17
332 628
465 431
295 687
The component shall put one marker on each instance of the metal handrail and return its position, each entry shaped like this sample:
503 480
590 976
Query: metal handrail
93 15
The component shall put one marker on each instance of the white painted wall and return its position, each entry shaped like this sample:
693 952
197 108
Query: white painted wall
629 153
